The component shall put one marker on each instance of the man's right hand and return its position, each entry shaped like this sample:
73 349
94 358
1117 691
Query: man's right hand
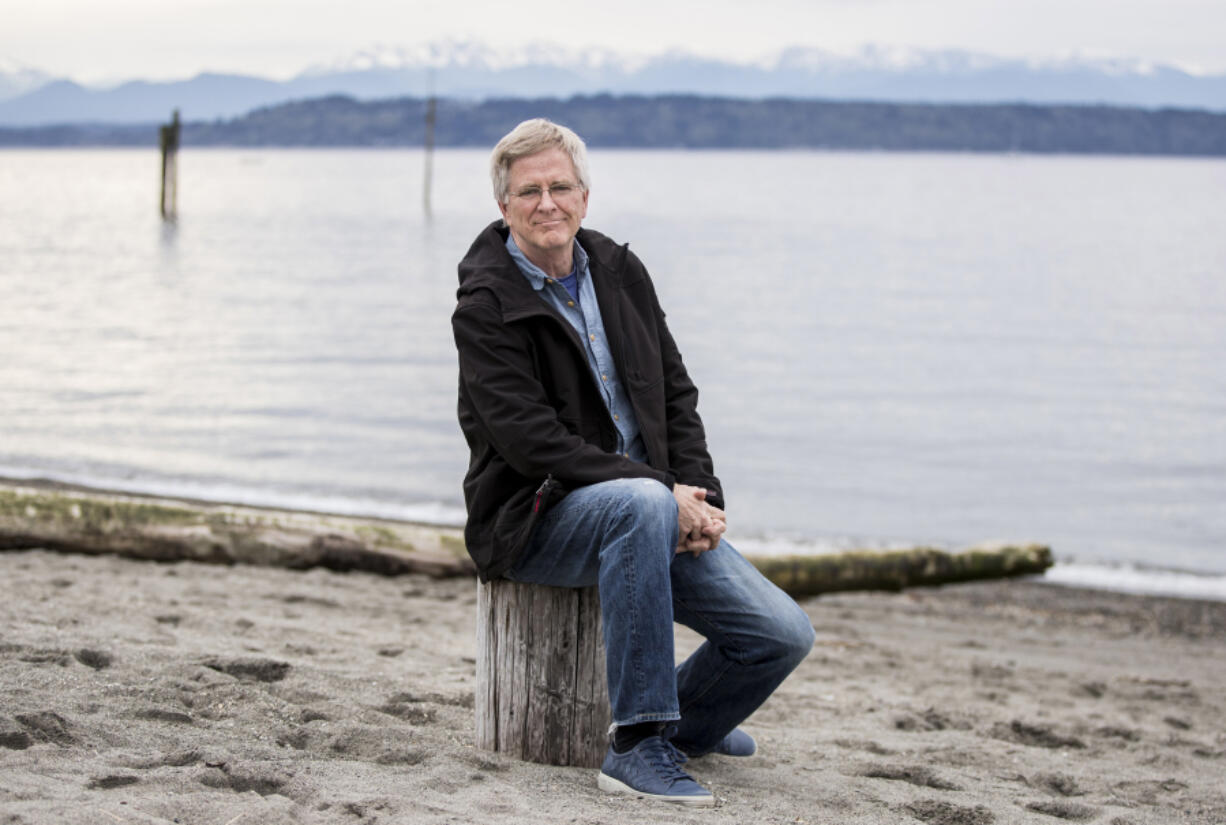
699 525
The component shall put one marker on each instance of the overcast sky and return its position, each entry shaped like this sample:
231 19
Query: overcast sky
109 40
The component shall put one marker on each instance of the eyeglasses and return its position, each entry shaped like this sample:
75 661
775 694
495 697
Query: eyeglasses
557 192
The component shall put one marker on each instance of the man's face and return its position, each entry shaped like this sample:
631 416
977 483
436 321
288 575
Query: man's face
545 204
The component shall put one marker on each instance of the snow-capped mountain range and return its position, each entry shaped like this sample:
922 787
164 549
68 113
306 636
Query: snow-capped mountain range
17 79
473 70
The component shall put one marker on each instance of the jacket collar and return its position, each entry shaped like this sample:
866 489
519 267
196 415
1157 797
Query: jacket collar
535 275
489 266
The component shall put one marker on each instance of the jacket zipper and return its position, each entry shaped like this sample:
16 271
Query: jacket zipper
541 492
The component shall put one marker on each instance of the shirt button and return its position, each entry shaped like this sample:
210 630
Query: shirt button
570 303
617 417
591 337
604 378
627 455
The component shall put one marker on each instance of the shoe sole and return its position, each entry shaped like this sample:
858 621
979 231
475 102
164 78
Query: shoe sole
608 784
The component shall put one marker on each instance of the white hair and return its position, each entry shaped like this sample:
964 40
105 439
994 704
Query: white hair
528 138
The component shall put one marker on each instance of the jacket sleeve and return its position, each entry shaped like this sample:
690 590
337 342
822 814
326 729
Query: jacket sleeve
513 410
688 457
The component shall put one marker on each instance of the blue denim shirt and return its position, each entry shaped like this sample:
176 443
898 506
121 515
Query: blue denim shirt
584 316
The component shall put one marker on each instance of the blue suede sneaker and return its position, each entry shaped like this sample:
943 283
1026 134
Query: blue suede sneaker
737 743
652 769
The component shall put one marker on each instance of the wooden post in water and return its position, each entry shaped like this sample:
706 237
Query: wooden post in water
541 688
427 180
169 140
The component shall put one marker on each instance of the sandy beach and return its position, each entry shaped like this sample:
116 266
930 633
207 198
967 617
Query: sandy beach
140 692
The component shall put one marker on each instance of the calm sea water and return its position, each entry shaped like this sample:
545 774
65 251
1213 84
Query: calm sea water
892 348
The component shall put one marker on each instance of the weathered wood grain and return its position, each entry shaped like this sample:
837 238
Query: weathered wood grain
541 689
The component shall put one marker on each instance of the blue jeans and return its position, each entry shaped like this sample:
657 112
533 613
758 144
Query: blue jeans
622 536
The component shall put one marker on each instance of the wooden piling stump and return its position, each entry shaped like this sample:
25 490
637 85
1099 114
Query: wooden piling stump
541 689
169 138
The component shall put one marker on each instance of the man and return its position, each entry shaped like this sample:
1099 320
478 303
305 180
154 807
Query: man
589 465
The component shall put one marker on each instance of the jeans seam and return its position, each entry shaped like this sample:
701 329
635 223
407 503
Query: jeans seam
640 678
636 668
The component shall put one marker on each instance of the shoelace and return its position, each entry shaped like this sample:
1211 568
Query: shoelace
667 760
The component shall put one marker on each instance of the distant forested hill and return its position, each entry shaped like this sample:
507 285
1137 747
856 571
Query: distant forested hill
690 122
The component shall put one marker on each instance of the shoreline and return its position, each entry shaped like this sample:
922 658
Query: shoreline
163 692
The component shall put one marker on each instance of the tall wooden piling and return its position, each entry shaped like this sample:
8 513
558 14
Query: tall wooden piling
428 178
169 140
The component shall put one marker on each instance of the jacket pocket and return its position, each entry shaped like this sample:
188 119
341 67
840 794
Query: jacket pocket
517 520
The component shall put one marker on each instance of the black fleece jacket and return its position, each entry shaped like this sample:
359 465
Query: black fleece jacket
536 424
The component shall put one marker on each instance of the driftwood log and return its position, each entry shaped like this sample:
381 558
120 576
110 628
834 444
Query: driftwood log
73 519
541 690
897 569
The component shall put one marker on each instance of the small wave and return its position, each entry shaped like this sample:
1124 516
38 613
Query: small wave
1128 578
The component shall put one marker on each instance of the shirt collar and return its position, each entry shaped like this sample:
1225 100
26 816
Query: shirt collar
535 275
